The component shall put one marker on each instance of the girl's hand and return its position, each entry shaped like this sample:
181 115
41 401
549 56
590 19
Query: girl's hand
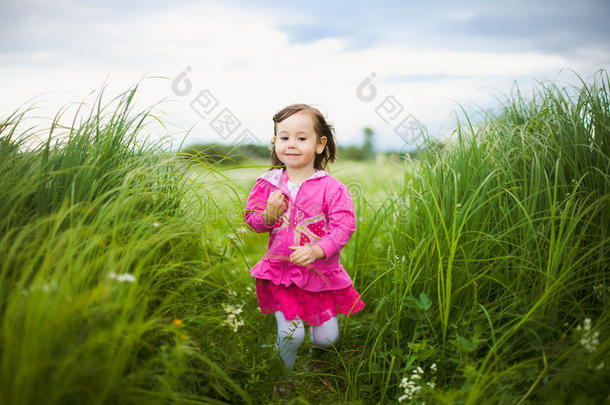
305 255
276 206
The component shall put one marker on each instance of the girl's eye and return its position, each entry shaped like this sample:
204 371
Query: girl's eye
303 139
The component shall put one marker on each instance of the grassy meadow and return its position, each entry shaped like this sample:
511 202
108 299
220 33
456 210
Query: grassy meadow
483 267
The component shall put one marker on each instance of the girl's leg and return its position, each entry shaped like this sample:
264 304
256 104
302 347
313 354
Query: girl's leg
290 335
325 335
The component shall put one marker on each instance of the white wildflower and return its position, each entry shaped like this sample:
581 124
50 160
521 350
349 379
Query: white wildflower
47 287
232 316
588 340
417 373
232 309
233 322
459 205
599 290
242 229
155 224
411 386
125 277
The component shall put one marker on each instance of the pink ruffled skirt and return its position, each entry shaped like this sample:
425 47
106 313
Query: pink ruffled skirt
314 308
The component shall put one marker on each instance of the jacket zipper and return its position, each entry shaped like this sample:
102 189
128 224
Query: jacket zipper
285 247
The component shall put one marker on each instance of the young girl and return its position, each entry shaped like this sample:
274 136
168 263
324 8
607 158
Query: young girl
310 217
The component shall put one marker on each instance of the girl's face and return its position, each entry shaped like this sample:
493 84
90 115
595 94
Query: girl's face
296 143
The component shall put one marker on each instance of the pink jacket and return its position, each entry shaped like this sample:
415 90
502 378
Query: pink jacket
322 214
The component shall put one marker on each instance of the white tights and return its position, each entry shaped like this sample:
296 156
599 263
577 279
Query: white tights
290 335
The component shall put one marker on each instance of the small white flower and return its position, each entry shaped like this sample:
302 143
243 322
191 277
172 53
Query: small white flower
155 224
459 205
598 289
242 229
125 277
51 286
232 312
414 384
588 340
233 322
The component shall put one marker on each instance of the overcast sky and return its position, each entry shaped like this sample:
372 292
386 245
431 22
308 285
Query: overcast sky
378 64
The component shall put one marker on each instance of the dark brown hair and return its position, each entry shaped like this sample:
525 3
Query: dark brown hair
320 125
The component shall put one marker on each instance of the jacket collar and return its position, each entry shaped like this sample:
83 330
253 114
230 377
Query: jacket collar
278 178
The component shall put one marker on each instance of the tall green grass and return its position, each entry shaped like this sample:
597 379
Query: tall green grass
506 231
101 267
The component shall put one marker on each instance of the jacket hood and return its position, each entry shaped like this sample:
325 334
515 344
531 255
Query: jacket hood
278 178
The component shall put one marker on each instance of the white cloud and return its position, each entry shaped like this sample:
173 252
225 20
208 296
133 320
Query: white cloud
253 69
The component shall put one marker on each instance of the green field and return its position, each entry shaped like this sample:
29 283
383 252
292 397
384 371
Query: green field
483 266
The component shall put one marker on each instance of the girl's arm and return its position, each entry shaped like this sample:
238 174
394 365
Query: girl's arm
256 206
341 222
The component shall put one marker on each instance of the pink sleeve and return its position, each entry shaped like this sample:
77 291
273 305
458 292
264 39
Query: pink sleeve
341 222
256 204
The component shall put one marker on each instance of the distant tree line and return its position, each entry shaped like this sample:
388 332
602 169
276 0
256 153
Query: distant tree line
219 153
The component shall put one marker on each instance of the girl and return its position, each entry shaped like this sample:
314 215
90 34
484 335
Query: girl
309 216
